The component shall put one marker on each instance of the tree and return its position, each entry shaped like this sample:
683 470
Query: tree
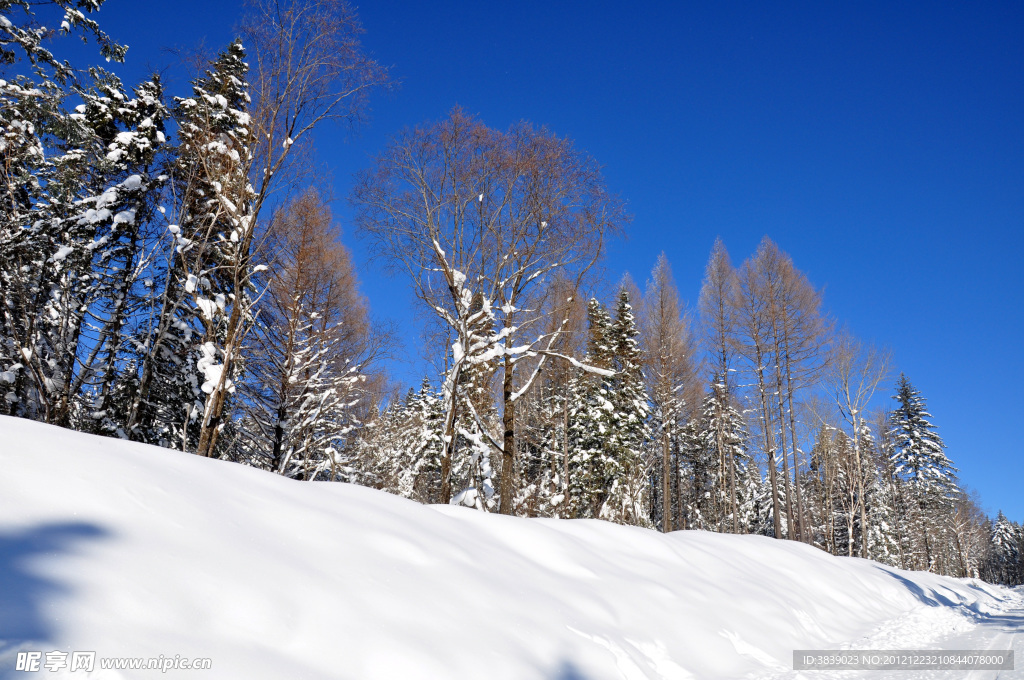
628 427
401 448
798 332
477 218
74 188
717 304
753 313
588 419
919 459
307 364
542 435
668 350
855 372
236 148
1006 558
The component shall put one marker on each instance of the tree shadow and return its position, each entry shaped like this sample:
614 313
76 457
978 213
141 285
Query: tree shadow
1011 621
568 671
928 597
23 592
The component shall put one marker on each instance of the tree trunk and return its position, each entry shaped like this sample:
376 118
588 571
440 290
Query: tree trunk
508 445
666 483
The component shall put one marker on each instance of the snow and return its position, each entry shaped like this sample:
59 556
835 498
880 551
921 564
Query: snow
63 252
136 551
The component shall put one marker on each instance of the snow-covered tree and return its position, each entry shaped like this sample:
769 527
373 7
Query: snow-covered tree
628 427
589 421
1006 560
76 187
718 465
468 211
182 385
929 478
306 362
608 422
919 452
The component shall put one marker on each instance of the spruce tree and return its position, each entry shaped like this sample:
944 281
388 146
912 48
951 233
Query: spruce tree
609 422
918 451
589 419
624 463
182 382
1006 556
76 187
919 460
419 436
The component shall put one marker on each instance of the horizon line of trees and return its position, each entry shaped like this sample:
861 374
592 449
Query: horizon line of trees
171 274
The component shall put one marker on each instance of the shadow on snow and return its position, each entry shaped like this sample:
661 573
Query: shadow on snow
23 591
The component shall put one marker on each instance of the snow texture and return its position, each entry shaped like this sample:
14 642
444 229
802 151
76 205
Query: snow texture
131 550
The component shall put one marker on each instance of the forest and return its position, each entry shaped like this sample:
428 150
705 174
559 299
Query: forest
171 274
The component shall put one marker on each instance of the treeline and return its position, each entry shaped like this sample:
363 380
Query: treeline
751 416
169 276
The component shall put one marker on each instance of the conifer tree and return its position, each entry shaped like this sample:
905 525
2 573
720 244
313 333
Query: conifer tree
182 384
919 452
419 473
929 477
75 189
628 427
1006 565
714 471
589 421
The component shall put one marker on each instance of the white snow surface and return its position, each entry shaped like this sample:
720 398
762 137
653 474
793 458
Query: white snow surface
131 550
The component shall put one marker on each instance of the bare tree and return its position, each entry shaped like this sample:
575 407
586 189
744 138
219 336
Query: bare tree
798 337
854 374
308 362
476 217
717 305
753 341
669 358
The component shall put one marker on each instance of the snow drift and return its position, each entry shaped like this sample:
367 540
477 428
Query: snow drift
135 551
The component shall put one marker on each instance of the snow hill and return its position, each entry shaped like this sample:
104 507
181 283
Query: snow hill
135 551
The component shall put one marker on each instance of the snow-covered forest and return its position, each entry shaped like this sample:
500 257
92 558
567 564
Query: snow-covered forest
171 274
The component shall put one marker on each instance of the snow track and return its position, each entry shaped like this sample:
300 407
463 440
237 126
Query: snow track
938 625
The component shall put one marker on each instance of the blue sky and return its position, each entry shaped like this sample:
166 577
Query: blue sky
880 144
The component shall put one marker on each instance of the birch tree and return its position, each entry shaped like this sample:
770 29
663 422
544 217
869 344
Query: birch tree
855 372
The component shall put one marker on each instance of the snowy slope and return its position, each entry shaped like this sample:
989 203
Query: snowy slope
136 551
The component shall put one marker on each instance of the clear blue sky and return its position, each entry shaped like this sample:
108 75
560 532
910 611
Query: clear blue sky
880 144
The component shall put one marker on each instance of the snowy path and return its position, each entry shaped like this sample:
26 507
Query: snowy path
938 626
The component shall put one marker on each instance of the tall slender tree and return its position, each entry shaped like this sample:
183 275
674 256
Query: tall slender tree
669 366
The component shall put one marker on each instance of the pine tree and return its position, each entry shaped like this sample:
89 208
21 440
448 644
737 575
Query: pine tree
114 234
589 420
76 188
624 464
1006 556
423 424
715 471
182 384
919 460
918 452
608 476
